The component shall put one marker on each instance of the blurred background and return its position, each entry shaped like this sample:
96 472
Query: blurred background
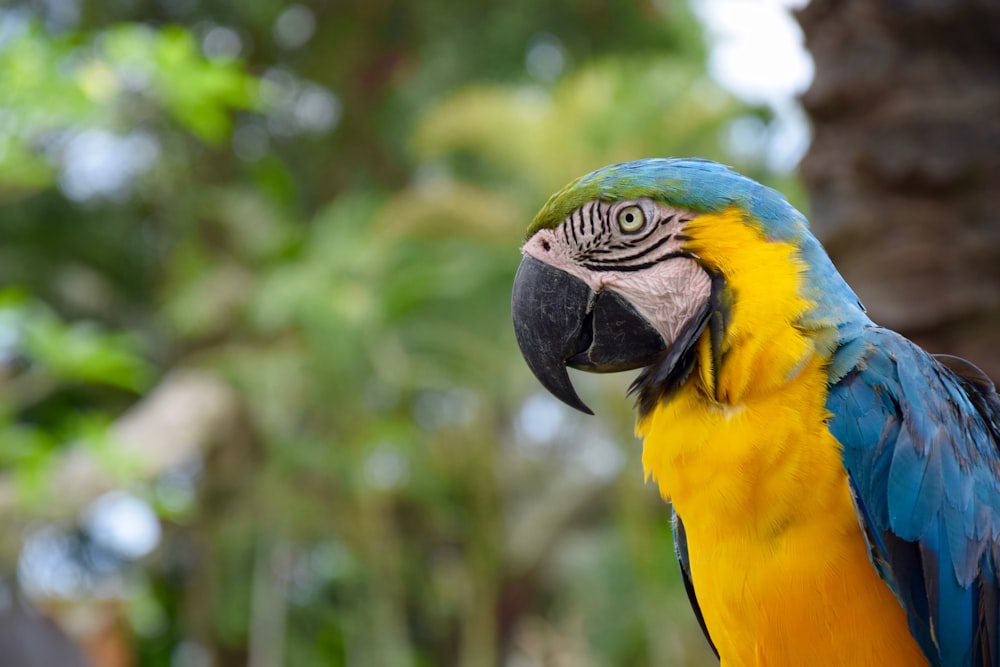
260 401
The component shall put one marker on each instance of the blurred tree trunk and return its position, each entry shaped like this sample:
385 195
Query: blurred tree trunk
904 169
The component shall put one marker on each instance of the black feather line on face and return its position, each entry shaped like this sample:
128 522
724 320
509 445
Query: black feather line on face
572 226
647 250
605 265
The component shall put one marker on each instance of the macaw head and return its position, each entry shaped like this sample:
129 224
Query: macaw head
669 264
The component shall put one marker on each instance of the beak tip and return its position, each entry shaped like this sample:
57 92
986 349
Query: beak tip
574 401
556 381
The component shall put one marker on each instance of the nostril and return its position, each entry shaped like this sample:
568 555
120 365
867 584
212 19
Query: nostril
545 246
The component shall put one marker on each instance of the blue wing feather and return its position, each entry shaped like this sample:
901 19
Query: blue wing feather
920 444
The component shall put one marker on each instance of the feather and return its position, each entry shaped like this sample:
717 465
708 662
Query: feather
681 551
927 481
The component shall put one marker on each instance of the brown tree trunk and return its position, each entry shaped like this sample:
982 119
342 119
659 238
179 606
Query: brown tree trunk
904 168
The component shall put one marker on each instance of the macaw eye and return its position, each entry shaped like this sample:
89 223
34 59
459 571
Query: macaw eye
631 219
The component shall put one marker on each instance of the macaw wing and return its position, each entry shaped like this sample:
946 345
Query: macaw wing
681 550
920 445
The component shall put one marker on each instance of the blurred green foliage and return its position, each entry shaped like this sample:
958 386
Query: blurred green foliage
118 78
321 204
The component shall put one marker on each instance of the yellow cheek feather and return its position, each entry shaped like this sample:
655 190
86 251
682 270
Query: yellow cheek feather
777 558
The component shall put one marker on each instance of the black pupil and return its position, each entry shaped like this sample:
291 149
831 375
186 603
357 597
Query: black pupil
629 217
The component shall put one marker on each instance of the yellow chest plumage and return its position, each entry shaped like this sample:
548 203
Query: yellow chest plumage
778 561
777 558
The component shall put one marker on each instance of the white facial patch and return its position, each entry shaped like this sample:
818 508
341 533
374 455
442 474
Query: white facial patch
667 294
648 266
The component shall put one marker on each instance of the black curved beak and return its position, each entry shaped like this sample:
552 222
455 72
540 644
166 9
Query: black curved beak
559 321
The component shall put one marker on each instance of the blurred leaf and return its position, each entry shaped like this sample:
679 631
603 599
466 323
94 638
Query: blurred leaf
82 352
199 93
54 86
22 444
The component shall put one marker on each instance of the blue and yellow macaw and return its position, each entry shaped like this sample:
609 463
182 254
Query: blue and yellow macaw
836 489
